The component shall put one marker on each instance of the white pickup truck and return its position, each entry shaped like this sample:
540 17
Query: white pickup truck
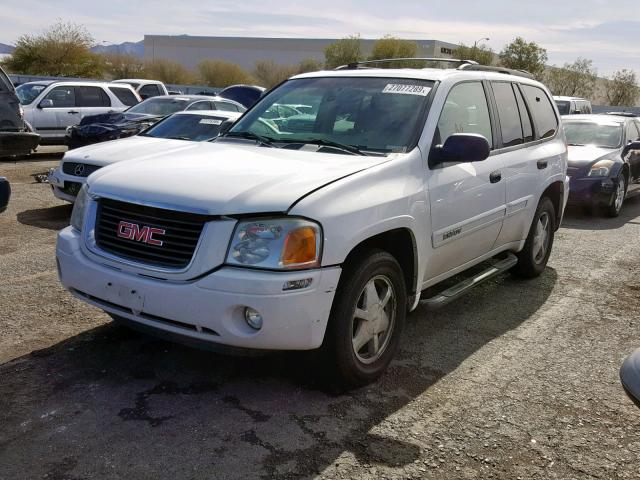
321 232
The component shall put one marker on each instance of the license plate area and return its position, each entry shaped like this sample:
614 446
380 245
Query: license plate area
124 295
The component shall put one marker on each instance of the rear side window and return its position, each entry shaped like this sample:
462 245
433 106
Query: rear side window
508 114
525 118
200 106
226 106
92 97
150 91
465 111
541 110
125 95
62 97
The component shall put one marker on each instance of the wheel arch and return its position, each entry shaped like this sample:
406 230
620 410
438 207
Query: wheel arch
555 193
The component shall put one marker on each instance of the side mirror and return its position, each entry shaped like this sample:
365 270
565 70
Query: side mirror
461 147
46 103
5 193
225 126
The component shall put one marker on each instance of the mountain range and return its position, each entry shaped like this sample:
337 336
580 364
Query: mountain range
130 48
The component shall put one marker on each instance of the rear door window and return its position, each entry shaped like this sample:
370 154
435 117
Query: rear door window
200 106
465 111
226 106
62 97
92 97
543 114
125 95
150 91
508 114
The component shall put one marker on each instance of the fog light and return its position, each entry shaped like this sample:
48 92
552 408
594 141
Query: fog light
297 284
253 318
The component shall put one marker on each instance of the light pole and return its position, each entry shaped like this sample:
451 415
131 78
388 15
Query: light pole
485 39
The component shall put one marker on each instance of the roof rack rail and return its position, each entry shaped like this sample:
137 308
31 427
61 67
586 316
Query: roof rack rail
364 63
489 68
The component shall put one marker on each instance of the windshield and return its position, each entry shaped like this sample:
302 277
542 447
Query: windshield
563 107
194 127
607 135
160 106
370 114
27 92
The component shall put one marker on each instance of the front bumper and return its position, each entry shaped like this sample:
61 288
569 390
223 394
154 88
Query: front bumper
18 143
65 187
592 191
211 308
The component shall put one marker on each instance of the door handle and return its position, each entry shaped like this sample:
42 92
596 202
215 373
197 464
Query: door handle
495 177
542 164
70 112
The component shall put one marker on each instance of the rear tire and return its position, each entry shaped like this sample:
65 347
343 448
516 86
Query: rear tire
366 321
533 258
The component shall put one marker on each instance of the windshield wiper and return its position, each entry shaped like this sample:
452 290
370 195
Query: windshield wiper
178 138
266 141
329 143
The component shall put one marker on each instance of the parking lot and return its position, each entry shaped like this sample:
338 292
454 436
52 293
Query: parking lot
519 379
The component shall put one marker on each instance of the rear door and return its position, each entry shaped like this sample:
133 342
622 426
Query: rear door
633 157
467 199
92 100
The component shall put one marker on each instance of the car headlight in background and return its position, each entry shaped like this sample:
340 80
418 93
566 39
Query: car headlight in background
601 168
79 209
276 243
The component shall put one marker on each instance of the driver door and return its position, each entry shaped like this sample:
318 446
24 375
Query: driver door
468 199
52 121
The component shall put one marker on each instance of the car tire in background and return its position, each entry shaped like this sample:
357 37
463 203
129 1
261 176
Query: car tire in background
370 303
532 259
613 210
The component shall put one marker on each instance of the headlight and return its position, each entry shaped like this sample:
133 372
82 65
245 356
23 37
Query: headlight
276 243
601 168
79 209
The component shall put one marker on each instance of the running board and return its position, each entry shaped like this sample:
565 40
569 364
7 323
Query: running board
452 293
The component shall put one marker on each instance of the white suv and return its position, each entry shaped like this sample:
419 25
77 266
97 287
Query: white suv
145 88
52 106
322 232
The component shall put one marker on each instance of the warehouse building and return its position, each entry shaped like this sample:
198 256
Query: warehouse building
246 51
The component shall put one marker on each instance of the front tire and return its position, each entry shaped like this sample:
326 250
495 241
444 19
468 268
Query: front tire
533 258
366 319
614 209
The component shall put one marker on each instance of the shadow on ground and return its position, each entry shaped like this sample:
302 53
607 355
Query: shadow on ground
52 218
114 403
576 218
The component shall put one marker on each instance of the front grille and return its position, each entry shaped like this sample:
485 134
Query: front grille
79 169
181 233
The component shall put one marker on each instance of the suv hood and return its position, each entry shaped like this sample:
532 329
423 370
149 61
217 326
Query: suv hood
226 178
128 148
583 155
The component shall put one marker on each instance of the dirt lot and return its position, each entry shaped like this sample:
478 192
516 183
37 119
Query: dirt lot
517 380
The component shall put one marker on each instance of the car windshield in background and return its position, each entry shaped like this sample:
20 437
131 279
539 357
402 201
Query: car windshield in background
160 106
368 114
608 135
27 92
194 127
563 107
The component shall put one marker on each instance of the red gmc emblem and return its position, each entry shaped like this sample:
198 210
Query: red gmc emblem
133 231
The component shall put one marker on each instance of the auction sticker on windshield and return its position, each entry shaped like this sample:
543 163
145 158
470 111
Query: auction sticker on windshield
420 90
210 121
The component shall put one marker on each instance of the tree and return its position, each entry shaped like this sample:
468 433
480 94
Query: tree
478 53
309 65
622 88
343 51
61 50
269 73
122 65
523 55
216 73
577 79
392 47
168 72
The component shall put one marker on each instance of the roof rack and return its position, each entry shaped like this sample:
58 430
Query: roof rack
364 63
489 68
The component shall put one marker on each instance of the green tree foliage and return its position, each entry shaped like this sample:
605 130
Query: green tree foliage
622 88
269 73
215 73
343 51
168 72
121 65
577 79
523 55
392 47
309 65
479 53
61 50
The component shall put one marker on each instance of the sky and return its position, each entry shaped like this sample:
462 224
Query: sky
606 31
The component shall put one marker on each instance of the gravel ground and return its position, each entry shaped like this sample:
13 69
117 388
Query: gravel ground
519 379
